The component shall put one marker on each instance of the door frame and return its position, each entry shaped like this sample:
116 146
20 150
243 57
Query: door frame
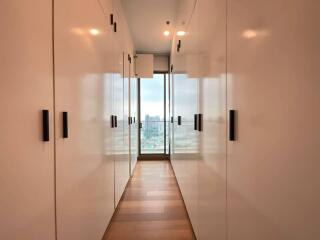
155 156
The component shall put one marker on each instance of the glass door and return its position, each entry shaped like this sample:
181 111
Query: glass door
153 114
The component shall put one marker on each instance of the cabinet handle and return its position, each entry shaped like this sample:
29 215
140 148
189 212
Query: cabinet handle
196 122
111 19
171 119
45 125
179 120
134 119
115 27
232 127
200 122
179 46
115 121
112 121
65 132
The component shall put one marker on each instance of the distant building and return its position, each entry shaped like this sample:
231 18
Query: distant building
153 127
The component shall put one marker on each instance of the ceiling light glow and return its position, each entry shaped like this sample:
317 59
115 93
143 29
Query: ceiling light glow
94 31
181 33
166 33
249 34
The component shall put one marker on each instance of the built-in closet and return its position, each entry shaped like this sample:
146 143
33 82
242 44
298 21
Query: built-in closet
65 128
248 168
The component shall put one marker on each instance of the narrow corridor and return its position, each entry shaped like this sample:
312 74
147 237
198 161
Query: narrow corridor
151 206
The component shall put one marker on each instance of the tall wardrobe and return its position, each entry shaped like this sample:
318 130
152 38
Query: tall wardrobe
66 126
245 135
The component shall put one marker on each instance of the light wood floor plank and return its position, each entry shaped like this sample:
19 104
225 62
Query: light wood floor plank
151 207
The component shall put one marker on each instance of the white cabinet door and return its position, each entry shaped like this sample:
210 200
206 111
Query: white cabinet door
83 74
186 139
121 173
134 115
121 107
199 158
26 87
273 83
210 62
126 102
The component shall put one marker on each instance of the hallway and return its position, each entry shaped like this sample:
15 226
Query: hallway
225 92
151 206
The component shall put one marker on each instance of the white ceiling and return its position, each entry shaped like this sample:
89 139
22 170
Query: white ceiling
147 22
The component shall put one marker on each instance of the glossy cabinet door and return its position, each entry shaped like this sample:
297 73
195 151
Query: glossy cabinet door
186 154
273 83
134 115
26 88
199 80
126 102
84 165
119 153
121 144
210 66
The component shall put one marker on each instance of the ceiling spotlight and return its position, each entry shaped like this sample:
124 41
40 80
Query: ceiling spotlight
181 33
94 31
166 33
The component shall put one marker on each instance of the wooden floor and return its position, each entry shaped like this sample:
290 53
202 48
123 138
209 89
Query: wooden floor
151 207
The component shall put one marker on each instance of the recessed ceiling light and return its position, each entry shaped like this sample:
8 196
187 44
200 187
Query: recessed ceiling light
181 33
166 33
94 31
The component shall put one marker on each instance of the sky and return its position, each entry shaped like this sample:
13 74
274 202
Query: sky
152 96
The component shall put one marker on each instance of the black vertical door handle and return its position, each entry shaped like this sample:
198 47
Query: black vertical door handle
111 19
140 125
232 125
115 27
134 119
112 121
179 46
115 121
179 120
200 122
45 125
65 130
195 122
171 119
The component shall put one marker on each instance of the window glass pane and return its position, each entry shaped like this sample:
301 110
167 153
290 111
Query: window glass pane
152 114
